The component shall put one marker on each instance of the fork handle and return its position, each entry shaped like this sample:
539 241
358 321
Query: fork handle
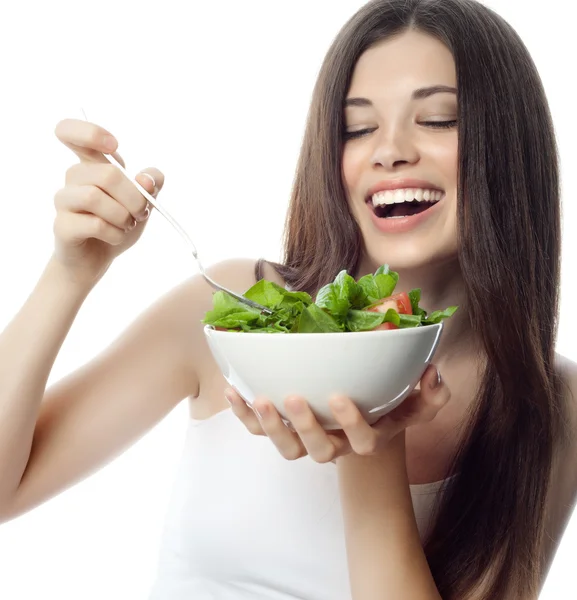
156 205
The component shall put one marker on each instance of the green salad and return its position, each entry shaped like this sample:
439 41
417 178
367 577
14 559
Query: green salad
343 305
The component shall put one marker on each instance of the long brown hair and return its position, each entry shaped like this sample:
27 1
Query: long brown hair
490 523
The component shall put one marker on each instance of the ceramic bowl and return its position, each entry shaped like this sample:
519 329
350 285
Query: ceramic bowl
376 369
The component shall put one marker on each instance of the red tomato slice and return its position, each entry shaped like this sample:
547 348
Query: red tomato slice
404 303
399 302
385 326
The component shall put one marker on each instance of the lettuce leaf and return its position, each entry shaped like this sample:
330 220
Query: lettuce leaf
339 306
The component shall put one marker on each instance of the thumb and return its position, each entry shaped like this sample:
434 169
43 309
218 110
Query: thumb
422 405
433 396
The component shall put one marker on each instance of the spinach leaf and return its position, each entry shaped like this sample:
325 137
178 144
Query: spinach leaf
438 315
363 320
314 319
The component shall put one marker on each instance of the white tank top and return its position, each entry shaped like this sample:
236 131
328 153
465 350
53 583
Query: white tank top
244 523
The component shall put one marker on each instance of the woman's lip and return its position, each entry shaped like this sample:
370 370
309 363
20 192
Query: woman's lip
402 224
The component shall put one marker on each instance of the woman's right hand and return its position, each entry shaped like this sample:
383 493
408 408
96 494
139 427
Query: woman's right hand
99 212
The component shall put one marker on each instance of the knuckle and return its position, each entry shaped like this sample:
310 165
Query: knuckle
306 425
367 447
71 173
58 128
93 136
352 419
91 197
59 198
110 175
57 227
324 456
128 220
254 428
292 452
99 227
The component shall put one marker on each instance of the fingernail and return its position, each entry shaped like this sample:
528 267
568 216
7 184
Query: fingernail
296 406
339 404
229 397
109 143
144 215
437 381
131 226
151 179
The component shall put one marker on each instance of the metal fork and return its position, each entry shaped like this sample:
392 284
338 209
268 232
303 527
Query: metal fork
185 236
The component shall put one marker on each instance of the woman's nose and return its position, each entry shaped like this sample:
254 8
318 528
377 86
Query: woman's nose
393 149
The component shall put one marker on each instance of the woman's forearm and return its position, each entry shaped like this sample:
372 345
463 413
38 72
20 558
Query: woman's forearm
28 348
385 555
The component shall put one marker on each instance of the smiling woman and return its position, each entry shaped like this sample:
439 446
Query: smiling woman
439 101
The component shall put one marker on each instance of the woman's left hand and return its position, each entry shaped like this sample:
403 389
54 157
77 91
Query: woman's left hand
308 437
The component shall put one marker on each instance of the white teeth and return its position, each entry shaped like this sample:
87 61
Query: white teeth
406 195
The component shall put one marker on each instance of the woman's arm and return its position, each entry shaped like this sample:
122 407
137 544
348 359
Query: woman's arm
386 558
54 439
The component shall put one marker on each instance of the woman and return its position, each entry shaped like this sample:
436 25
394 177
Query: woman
244 522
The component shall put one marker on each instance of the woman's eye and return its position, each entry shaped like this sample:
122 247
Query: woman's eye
351 135
440 124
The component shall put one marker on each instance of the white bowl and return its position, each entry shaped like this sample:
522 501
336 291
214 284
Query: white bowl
376 369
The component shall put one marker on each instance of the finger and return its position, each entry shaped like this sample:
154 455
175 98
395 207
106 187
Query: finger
87 140
92 200
152 180
286 441
423 405
362 437
75 228
434 394
243 412
154 176
111 180
314 438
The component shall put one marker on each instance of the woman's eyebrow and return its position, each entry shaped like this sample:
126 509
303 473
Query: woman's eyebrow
418 94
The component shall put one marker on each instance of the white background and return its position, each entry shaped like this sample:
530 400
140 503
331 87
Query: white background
216 96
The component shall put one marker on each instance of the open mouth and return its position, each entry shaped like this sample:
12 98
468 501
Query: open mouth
403 203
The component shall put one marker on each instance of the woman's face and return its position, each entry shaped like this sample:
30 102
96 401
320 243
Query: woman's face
400 154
